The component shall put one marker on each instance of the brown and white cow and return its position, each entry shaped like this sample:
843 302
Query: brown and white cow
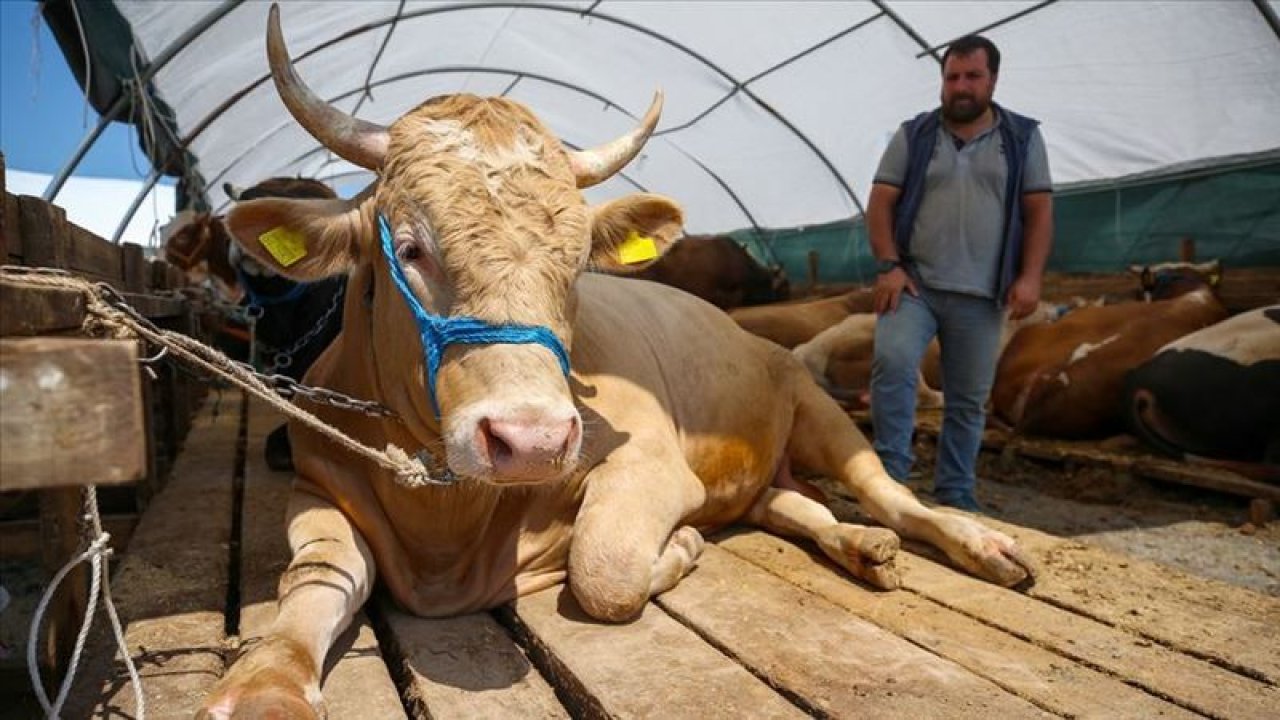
604 478
718 270
1214 393
1064 379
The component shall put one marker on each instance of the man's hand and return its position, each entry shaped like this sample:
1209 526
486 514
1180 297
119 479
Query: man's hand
889 287
1023 297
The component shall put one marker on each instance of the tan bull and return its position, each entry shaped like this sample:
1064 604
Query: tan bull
638 456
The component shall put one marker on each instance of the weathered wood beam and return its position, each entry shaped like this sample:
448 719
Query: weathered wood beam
71 413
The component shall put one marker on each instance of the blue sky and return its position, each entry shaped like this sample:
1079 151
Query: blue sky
43 115
43 118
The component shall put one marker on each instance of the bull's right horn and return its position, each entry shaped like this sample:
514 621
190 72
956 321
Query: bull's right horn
594 166
363 143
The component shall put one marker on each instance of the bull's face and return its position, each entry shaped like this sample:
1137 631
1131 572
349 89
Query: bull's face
484 220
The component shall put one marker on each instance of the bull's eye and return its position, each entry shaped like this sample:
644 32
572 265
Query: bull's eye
409 252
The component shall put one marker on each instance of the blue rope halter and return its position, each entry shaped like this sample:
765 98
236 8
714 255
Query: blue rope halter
255 299
438 332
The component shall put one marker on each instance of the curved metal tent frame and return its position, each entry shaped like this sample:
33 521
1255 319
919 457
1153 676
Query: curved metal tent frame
738 86
779 111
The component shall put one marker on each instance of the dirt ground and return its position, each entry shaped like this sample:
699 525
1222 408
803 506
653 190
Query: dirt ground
1198 531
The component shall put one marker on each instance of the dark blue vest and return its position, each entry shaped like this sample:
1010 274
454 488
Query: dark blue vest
922 132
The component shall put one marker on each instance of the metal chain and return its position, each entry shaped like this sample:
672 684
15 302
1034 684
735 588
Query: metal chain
284 358
283 385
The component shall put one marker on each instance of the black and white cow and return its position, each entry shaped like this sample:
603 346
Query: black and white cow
1214 393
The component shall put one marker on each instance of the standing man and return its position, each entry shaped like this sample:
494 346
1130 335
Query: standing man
961 221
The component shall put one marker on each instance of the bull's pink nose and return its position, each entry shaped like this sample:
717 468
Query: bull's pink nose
527 448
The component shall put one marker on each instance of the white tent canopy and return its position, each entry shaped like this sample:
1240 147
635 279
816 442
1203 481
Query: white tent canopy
776 112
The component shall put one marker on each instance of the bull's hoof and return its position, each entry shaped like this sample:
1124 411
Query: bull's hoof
987 553
866 552
272 681
269 703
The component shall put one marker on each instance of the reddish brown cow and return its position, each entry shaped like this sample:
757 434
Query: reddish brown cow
718 270
1065 379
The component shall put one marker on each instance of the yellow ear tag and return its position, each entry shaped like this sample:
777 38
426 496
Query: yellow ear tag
637 248
285 245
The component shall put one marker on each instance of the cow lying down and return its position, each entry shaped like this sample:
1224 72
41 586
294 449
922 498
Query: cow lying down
584 452
1214 393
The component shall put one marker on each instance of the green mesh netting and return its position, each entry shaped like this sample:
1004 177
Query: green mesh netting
1233 215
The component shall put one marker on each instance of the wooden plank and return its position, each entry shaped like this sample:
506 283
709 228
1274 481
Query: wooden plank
465 667
1234 627
1137 462
650 667
1042 677
21 538
71 413
356 682
171 587
831 663
91 256
43 310
44 233
38 311
1059 615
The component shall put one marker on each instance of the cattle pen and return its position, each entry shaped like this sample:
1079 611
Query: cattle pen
763 627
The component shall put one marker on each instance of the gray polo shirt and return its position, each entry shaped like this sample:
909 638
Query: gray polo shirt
960 225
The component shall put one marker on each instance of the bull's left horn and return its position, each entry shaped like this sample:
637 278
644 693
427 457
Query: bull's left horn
594 166
361 142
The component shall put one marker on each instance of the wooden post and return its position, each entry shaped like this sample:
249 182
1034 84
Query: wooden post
135 267
44 233
1187 249
813 270
60 542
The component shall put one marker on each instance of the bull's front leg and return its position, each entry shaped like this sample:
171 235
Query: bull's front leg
626 544
328 580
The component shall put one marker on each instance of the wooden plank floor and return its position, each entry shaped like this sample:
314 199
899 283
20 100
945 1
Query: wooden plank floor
762 628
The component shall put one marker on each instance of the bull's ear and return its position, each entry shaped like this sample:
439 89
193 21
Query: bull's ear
630 233
305 240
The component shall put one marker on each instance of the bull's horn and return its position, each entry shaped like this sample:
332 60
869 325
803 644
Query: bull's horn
598 164
363 143
232 191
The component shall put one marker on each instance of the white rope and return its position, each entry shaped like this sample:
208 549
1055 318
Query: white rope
88 65
97 553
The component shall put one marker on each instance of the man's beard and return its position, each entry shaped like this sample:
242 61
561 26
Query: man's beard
964 109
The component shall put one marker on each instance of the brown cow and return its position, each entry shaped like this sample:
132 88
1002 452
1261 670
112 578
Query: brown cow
198 242
718 270
1065 379
603 474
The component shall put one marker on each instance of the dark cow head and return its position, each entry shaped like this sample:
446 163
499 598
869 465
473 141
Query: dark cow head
719 270
485 226
1171 279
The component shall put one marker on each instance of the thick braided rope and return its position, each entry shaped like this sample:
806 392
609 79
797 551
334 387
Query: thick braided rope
408 471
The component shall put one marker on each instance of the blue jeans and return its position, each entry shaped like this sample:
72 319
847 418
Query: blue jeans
968 329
